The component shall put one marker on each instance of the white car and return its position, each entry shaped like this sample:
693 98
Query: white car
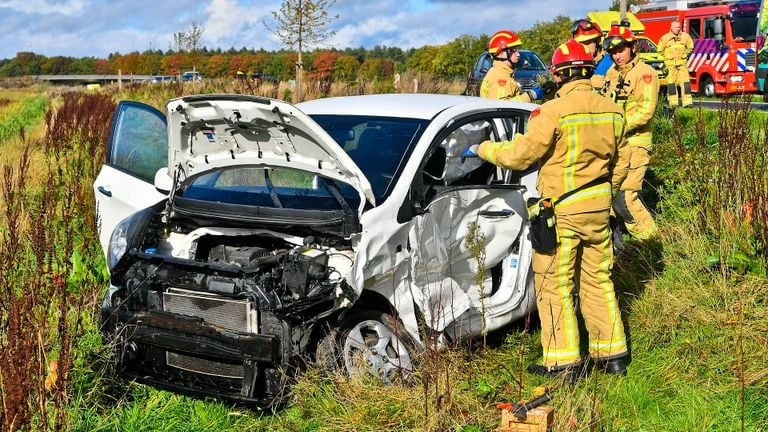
243 234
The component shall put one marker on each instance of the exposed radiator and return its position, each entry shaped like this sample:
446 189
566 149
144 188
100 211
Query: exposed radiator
230 314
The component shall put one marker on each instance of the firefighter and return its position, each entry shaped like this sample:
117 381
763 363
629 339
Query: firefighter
499 82
675 47
578 139
634 86
589 34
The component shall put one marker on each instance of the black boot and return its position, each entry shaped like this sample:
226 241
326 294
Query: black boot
614 366
570 374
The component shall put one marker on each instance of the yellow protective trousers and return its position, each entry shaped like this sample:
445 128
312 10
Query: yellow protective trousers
678 78
639 222
584 254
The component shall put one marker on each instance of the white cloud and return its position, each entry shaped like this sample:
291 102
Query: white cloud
98 27
230 23
44 7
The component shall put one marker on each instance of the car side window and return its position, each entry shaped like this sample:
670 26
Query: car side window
138 142
461 171
445 168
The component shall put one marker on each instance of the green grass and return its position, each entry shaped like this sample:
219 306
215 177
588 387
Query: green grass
21 115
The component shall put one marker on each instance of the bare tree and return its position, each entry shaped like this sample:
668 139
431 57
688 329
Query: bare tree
189 40
302 23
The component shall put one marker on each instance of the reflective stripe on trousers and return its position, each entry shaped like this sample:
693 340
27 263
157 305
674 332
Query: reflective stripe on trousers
585 246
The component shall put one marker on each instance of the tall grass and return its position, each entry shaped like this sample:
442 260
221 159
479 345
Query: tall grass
50 266
410 82
723 156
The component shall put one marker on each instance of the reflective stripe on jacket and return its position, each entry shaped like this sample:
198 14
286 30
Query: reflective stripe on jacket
635 88
499 83
578 138
675 49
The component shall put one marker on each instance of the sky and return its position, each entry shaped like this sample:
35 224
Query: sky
96 28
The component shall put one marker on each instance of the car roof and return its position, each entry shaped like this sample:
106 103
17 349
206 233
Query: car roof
404 105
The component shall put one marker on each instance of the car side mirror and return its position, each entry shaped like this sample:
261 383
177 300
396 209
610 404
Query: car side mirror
414 204
163 182
419 208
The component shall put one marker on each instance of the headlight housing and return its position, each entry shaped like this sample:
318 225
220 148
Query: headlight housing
127 235
736 78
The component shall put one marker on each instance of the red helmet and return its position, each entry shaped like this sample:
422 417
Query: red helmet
584 30
571 54
619 35
502 40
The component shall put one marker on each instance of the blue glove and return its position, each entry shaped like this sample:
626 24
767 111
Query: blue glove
470 152
536 92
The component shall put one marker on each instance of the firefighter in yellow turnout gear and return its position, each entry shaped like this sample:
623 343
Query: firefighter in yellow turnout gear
634 86
675 47
577 137
589 34
499 82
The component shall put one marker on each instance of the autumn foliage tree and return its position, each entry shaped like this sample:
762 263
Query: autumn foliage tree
324 65
345 68
377 68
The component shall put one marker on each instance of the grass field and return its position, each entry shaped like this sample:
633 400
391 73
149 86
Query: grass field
693 300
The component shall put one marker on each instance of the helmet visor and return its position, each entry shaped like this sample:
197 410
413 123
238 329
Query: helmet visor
583 25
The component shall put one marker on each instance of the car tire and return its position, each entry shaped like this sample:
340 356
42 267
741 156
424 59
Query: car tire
369 342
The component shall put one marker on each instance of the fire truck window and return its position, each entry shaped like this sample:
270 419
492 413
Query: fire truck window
694 28
709 29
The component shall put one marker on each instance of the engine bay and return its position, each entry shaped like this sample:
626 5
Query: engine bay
224 310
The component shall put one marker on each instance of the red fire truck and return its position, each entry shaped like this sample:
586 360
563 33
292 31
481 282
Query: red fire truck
724 34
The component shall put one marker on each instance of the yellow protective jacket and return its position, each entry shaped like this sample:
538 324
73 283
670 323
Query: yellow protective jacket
578 138
675 49
499 83
635 88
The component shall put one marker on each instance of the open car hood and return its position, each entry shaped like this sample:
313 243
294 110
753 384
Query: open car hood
207 132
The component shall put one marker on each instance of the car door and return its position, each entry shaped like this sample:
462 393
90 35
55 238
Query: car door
137 148
462 201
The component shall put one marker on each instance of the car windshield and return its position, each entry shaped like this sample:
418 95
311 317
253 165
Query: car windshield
378 145
275 187
645 46
743 29
529 60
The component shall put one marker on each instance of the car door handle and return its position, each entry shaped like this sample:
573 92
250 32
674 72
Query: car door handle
104 191
496 213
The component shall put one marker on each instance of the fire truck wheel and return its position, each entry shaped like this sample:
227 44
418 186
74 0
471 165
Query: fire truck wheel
707 86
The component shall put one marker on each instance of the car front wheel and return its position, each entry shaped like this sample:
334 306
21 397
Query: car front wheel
369 342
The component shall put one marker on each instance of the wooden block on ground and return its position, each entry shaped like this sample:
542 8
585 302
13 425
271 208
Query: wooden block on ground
538 420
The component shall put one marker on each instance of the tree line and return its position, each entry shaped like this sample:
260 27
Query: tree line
451 60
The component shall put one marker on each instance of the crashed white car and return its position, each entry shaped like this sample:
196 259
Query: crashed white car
244 235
